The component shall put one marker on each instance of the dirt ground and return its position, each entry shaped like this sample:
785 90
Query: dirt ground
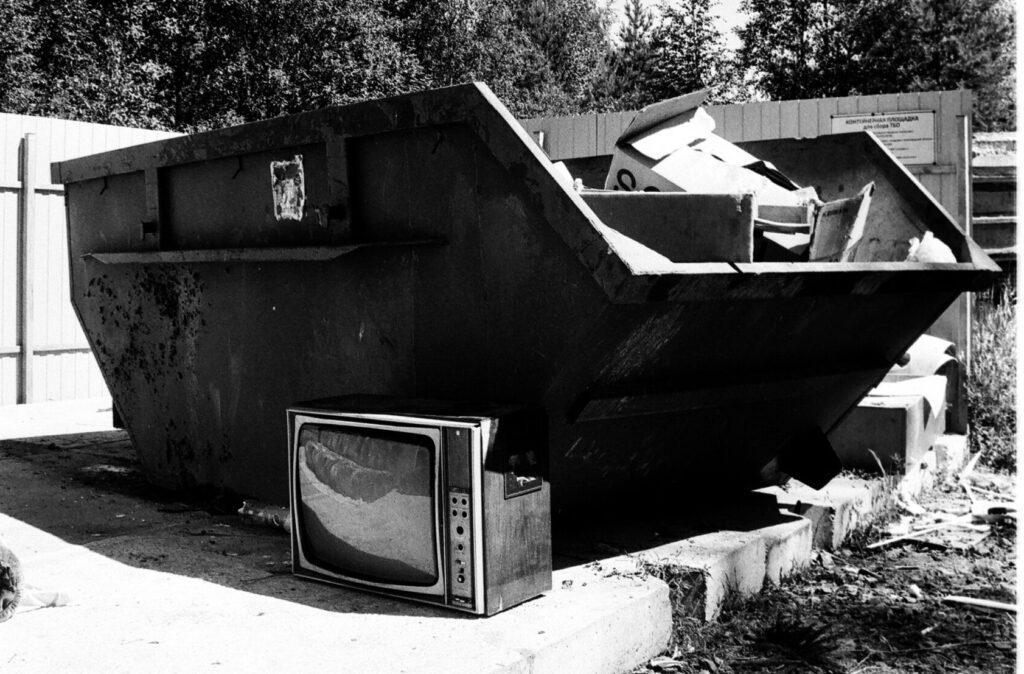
875 610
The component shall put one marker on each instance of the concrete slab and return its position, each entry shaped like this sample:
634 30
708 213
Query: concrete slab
707 552
86 415
849 502
126 618
894 430
156 585
711 568
940 463
839 509
86 522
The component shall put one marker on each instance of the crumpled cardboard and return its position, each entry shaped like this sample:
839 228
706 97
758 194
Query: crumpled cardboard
671 146
839 226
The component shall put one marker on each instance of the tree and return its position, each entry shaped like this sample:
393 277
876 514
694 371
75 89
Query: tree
19 76
209 63
86 64
540 57
689 52
969 44
229 61
812 48
572 38
628 67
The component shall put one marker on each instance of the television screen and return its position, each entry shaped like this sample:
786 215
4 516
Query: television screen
367 502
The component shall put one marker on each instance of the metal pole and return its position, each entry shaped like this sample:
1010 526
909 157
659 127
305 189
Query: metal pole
26 223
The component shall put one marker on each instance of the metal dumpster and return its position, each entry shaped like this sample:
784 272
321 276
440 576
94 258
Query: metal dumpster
423 246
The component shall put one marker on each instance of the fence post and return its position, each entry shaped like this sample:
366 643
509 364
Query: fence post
965 185
26 313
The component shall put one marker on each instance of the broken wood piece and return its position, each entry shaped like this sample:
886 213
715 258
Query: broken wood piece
994 494
980 603
913 535
971 463
977 541
912 507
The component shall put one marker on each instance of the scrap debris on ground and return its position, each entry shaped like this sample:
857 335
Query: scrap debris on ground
929 588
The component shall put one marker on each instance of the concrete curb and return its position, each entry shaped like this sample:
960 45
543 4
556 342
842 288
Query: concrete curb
835 512
849 503
704 570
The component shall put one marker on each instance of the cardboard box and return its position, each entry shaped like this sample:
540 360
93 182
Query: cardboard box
671 146
839 226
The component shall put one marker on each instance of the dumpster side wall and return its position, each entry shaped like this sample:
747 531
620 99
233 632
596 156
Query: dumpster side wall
204 359
480 277
656 396
500 304
838 166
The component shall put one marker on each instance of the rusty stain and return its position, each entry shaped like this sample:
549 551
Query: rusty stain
175 299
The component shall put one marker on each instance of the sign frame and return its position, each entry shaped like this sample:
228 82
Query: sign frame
914 151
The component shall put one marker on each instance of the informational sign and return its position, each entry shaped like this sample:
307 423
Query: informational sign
909 135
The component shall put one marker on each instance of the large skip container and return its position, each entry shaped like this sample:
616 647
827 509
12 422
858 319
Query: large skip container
423 246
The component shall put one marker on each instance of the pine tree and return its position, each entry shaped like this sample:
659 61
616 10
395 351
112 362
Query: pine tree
630 64
689 52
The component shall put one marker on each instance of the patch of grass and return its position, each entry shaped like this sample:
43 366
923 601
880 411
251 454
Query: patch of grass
991 386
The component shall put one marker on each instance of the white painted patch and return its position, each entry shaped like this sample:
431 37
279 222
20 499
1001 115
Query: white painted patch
288 184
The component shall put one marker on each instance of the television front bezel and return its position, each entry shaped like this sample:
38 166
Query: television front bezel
433 428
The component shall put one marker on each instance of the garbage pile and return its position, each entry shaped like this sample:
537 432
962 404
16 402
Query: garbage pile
671 146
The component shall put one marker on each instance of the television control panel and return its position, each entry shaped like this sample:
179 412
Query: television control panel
460 547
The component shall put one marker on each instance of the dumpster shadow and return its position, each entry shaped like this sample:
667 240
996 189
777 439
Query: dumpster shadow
643 528
88 489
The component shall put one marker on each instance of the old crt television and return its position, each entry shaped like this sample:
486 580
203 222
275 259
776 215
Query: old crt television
439 502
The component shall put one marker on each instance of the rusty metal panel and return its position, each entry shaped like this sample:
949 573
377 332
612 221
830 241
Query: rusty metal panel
675 224
473 273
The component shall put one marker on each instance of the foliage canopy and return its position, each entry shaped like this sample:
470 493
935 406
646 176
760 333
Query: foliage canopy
208 63
814 48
